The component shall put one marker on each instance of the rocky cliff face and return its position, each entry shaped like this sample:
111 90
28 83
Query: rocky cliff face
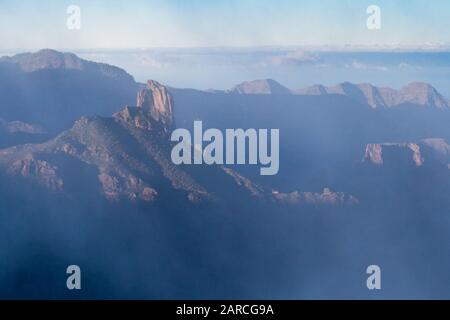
154 110
157 101
424 152
375 153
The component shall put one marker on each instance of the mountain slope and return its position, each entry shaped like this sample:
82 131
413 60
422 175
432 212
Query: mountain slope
52 59
53 89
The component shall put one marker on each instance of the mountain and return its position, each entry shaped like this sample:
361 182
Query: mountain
267 86
415 93
102 191
314 90
127 156
421 94
52 59
52 89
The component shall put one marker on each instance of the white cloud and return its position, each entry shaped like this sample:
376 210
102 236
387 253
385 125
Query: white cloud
296 57
359 65
404 65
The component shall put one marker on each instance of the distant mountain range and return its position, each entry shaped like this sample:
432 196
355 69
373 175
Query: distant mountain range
50 90
415 93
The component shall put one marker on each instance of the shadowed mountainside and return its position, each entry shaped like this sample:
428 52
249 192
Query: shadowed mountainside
53 89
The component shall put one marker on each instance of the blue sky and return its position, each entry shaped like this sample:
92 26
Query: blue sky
34 24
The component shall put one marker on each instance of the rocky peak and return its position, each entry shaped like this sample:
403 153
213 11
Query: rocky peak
350 90
154 108
314 90
158 102
422 94
266 86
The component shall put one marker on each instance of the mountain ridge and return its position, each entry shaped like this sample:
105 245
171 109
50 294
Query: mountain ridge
53 59
415 93
266 86
52 89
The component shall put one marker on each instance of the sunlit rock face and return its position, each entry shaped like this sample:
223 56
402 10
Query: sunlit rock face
374 152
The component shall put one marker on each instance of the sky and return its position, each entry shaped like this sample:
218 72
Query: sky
30 24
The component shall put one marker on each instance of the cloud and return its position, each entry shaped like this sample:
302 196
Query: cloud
160 61
404 65
237 57
359 65
296 58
